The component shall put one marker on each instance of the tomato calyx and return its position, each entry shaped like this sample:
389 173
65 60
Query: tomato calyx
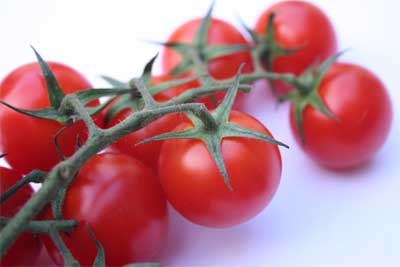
267 47
200 47
217 127
306 92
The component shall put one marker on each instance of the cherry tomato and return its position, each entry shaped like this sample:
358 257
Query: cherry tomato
302 25
123 203
28 141
26 249
219 33
363 108
196 189
149 152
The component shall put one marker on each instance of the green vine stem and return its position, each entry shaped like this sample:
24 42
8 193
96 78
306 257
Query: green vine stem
64 172
44 226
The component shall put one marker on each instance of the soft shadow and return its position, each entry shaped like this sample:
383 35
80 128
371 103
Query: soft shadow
175 243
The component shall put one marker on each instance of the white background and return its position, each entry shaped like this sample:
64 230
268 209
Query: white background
318 217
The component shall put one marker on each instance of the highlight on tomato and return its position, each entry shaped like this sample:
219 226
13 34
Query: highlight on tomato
122 202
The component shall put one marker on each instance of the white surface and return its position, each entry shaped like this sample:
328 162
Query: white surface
318 217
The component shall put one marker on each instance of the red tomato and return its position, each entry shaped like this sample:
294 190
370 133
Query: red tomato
122 201
149 152
362 105
299 24
26 249
195 187
25 88
220 33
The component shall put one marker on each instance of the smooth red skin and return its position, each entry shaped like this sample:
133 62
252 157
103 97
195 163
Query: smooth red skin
299 24
26 249
28 141
362 105
196 189
220 33
122 201
149 152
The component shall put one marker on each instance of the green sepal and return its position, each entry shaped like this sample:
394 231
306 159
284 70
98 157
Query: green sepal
234 130
97 109
255 37
307 93
146 75
100 260
89 95
191 133
170 84
298 116
200 38
114 82
222 112
56 95
321 71
215 51
45 113
213 143
219 127
182 67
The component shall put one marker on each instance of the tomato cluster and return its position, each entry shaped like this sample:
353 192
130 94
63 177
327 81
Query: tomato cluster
340 118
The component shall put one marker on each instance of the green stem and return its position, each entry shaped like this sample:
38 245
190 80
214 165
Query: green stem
63 173
69 260
35 176
72 102
44 226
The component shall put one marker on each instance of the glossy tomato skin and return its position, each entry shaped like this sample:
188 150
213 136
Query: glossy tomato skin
28 141
122 201
299 24
196 189
362 105
149 152
26 249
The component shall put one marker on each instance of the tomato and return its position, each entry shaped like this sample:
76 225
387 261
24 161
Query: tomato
299 24
196 188
219 33
362 106
122 201
26 249
25 88
149 152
